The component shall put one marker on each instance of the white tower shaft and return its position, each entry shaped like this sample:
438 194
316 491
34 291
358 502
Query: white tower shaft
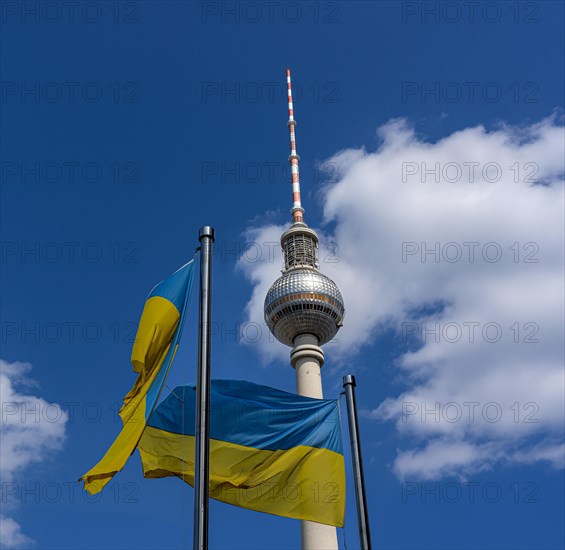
307 359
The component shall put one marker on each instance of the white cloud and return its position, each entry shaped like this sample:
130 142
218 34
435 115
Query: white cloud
11 535
401 216
31 429
443 458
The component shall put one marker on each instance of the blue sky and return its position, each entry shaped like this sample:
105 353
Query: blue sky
127 126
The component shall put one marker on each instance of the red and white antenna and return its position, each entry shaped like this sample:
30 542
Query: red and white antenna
297 209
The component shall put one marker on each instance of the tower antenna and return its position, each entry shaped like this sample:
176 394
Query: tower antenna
297 209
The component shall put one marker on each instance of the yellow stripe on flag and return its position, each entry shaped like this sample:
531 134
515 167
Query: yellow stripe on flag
303 482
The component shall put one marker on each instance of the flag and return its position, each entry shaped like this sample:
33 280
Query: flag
270 451
153 352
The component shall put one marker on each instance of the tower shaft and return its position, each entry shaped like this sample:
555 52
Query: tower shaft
307 359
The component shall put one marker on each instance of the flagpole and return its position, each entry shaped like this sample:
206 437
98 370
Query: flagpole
359 478
202 429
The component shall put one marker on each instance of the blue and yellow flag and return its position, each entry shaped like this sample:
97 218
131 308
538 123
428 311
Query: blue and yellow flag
270 451
153 352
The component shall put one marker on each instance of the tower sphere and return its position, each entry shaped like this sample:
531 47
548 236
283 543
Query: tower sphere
304 301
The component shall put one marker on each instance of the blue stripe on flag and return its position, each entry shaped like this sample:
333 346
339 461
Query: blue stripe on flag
254 416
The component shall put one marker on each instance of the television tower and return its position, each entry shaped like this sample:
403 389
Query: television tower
304 310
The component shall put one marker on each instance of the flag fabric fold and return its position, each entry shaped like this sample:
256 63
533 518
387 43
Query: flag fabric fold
153 352
270 451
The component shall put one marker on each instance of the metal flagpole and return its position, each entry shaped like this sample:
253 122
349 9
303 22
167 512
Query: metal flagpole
359 478
202 429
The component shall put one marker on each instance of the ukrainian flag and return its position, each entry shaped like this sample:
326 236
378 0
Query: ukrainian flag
270 451
153 352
